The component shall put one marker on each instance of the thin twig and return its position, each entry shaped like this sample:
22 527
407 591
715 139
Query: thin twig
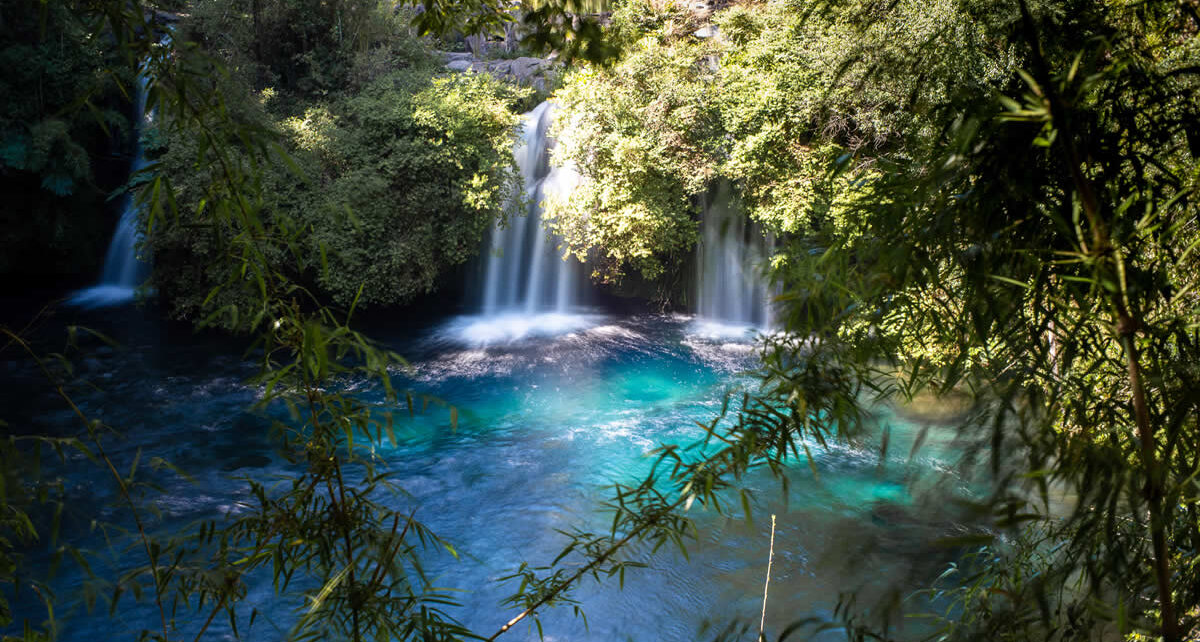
390 555
762 624
550 595
212 616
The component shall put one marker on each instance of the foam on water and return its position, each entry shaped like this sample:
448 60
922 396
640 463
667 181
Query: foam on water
102 296
722 331
485 330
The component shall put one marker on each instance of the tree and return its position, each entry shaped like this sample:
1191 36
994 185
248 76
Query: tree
765 99
1037 256
64 118
645 136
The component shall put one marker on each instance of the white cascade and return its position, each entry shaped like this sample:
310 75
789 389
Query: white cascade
732 283
123 271
525 273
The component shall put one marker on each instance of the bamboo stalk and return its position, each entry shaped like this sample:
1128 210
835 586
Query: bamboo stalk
762 623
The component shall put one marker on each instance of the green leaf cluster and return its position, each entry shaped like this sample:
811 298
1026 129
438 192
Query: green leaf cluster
382 189
418 171
766 96
1036 254
63 119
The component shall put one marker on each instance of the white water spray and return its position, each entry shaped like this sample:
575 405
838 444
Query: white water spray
123 271
529 288
733 287
524 270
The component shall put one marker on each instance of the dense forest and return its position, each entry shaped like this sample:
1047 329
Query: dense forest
984 207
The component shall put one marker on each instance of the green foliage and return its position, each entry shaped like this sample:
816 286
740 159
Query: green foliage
768 102
418 171
569 29
391 177
59 108
801 88
305 47
646 137
1036 254
220 205
47 54
1025 240
385 189
362 556
22 492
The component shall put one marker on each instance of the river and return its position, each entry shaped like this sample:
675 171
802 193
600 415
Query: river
545 422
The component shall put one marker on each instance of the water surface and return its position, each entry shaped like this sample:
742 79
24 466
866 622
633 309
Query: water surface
546 420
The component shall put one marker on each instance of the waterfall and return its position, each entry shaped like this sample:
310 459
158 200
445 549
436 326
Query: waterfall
529 288
524 272
731 273
123 272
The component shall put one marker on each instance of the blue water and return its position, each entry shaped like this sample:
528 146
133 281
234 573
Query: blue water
545 422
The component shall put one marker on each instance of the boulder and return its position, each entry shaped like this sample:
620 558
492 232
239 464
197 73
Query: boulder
526 70
523 69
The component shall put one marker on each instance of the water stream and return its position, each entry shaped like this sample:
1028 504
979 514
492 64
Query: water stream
732 286
123 271
528 285
545 423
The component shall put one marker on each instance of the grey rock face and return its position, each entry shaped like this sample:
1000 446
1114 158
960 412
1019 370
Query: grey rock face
526 70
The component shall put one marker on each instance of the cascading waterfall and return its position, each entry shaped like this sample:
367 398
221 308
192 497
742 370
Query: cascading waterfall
528 288
524 273
732 284
123 272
